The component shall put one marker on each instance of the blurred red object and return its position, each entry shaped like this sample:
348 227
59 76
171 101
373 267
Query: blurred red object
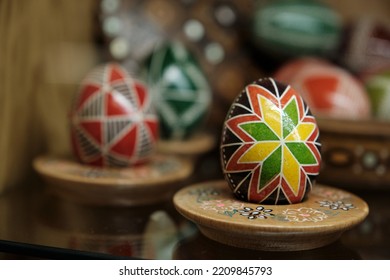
329 90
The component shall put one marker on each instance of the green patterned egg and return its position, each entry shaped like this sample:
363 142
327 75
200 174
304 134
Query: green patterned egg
296 27
179 89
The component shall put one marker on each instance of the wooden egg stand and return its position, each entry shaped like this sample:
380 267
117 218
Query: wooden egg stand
149 183
313 223
114 134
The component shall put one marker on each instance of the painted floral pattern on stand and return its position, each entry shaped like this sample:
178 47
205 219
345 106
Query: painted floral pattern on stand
160 166
330 194
258 213
225 207
270 148
204 194
304 214
335 205
213 200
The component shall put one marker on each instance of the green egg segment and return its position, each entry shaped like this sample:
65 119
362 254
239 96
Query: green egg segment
179 89
296 27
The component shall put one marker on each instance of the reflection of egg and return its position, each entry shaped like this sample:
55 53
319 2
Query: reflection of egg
270 148
112 120
329 90
181 92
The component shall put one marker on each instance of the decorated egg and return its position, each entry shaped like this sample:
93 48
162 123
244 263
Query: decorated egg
378 88
270 148
180 91
113 122
329 90
296 27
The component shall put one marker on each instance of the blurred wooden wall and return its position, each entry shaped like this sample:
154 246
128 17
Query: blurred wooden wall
45 49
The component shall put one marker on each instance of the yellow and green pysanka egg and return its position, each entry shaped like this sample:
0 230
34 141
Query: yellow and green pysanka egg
270 148
179 89
296 27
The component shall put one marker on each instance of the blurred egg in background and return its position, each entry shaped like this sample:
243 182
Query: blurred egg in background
378 88
113 122
329 90
179 89
299 27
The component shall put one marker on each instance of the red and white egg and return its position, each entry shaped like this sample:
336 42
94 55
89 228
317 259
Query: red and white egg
112 119
329 90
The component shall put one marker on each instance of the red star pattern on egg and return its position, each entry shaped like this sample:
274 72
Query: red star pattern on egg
113 121
270 144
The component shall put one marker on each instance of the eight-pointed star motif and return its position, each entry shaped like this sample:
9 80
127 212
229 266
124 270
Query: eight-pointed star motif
270 148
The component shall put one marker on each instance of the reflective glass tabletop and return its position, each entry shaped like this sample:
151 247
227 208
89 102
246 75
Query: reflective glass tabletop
36 224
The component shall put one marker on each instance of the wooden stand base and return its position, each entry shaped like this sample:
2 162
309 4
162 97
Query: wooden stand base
149 183
313 223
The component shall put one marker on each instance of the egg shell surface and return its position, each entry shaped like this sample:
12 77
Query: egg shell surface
113 122
296 27
270 149
329 90
180 90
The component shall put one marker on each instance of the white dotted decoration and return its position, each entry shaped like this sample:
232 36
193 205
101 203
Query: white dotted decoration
119 48
109 6
370 160
112 26
194 30
214 53
225 15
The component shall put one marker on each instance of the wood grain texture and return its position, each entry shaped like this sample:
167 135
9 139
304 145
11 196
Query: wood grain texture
45 50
